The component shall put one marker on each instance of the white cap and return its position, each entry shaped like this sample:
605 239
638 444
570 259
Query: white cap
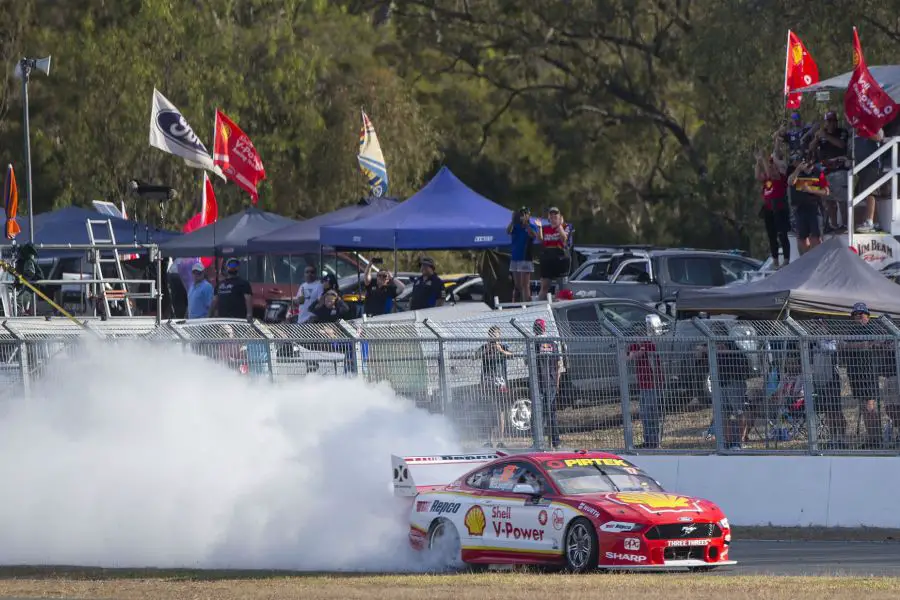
198 268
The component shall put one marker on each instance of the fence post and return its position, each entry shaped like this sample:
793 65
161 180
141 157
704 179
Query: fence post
810 400
715 388
358 357
624 381
537 400
446 396
895 331
23 359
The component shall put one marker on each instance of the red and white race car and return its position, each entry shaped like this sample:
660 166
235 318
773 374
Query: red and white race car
579 510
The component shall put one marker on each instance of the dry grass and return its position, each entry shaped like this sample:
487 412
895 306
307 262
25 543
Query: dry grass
221 586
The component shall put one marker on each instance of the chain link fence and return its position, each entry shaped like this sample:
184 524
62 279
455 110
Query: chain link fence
521 381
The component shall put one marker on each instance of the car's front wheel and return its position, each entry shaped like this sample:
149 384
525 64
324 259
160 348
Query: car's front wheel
444 548
582 548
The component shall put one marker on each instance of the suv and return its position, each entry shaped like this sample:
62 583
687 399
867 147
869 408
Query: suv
655 276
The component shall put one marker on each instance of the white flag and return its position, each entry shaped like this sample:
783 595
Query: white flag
170 132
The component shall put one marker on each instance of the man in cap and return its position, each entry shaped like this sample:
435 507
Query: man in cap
860 360
830 143
428 289
234 296
308 293
200 296
549 362
794 134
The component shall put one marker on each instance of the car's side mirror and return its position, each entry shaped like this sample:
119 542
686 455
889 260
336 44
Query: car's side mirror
525 488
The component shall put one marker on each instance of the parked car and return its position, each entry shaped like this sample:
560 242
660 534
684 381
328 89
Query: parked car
656 276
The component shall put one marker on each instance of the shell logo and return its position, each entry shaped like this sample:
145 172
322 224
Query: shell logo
797 54
856 58
475 521
225 132
656 502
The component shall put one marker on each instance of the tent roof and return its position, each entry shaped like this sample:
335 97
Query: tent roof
68 226
226 236
304 236
887 76
829 279
444 214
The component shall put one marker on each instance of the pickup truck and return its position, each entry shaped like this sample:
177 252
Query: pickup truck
656 276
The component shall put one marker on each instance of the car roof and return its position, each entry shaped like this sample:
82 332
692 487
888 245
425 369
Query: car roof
563 454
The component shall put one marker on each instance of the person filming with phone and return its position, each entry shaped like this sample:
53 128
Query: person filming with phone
381 293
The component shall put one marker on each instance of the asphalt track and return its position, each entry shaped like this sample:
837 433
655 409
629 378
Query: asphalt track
850 559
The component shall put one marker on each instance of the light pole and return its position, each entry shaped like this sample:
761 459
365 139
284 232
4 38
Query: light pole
23 70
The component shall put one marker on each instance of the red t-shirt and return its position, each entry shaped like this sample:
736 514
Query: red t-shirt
646 372
552 237
773 193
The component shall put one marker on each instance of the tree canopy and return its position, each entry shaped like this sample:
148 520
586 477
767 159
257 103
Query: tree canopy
639 118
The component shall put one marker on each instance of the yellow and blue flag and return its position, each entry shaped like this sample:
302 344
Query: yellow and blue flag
371 159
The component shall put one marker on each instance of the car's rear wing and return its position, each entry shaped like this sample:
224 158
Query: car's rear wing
413 474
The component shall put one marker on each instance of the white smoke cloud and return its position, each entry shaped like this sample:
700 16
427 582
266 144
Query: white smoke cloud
138 456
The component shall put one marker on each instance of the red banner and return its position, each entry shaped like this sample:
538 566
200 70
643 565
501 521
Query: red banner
234 153
11 203
867 106
209 214
800 70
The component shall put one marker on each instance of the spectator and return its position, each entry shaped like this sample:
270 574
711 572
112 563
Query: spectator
648 372
28 268
309 292
381 293
428 289
809 184
234 296
494 355
775 212
827 386
200 295
521 264
862 375
863 148
554 258
549 362
733 371
830 144
794 135
330 308
329 282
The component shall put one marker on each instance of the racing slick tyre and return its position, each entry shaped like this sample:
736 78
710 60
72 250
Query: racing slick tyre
582 550
444 547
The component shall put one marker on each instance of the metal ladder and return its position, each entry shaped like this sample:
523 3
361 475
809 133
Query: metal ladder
108 291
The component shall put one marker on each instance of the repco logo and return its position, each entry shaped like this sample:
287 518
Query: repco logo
175 128
443 508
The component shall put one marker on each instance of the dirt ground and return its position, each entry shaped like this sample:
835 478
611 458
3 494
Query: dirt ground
487 586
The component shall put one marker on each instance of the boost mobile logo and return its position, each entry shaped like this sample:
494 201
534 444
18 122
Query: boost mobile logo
174 127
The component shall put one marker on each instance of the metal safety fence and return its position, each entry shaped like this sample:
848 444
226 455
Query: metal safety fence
692 386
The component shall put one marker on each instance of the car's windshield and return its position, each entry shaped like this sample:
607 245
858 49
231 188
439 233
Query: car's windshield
599 475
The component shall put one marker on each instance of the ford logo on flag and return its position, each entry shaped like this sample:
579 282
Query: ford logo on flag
176 129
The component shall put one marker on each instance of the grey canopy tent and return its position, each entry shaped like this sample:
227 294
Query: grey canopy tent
827 280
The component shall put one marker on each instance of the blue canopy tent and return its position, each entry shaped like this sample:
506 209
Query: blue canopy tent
445 214
304 236
226 237
69 226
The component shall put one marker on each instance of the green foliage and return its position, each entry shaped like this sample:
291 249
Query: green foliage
639 118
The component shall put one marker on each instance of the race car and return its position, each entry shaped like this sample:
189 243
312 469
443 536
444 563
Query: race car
579 510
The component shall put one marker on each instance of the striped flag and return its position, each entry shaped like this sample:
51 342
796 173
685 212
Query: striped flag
371 159
11 203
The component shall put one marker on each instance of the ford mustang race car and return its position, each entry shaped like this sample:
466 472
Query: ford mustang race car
575 510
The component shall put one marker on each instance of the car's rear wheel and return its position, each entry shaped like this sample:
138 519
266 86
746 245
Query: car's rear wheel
444 548
581 548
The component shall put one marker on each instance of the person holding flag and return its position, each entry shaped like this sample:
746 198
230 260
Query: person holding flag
371 159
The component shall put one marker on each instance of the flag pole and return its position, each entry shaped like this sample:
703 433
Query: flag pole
787 62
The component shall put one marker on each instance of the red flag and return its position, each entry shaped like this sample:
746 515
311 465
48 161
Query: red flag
209 213
867 106
800 70
11 203
234 153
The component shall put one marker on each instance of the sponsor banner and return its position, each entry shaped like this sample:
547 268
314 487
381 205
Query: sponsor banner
443 508
632 544
590 510
616 527
586 462
559 519
655 502
542 517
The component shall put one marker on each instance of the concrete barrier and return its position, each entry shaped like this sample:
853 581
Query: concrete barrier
788 491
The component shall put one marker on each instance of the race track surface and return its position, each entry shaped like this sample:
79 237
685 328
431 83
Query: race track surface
859 559
814 558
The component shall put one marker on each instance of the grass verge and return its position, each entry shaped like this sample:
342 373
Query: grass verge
491 586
